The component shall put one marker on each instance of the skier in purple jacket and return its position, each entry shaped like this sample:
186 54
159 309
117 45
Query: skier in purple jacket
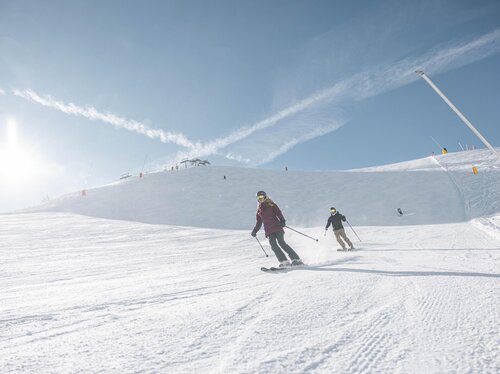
269 214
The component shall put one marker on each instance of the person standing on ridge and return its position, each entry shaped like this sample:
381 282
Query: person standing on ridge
335 220
269 214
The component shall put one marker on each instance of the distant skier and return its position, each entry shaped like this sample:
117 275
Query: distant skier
269 214
400 212
335 220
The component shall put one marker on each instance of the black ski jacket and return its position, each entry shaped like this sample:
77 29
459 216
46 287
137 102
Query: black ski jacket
336 221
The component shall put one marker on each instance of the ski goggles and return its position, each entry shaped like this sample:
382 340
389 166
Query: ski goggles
261 197
333 210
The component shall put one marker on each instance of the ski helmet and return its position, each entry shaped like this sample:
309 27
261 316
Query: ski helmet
261 193
333 210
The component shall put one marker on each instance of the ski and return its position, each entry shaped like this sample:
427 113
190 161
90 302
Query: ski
273 269
405 214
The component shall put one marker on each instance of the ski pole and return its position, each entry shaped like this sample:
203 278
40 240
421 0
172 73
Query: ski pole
352 229
258 241
301 233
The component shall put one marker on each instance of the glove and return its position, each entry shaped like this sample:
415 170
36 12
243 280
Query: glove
254 234
283 223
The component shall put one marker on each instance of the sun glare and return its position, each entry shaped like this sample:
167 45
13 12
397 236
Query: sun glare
18 162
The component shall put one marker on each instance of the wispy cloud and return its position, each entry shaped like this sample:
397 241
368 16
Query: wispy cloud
358 87
287 144
214 146
265 146
2 92
117 121
440 59
313 116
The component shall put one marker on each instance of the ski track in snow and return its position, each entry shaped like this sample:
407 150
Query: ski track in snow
81 294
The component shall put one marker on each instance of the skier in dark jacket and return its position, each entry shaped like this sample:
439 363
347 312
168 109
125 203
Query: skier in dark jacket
269 214
335 220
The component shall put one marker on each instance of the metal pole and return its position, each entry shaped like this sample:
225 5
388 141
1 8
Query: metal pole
144 163
458 113
301 233
352 229
261 246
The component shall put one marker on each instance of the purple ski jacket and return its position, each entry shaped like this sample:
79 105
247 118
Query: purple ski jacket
270 215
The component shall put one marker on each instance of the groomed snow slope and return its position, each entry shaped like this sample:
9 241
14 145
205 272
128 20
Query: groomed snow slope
434 190
87 294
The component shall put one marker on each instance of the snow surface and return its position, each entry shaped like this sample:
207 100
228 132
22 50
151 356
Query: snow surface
160 274
435 190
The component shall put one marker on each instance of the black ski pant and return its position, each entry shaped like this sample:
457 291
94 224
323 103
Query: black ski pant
278 237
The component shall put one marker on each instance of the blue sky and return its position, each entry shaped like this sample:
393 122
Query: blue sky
89 89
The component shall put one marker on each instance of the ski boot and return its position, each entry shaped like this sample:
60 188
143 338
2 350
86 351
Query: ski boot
297 262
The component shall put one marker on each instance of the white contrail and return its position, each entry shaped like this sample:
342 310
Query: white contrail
358 87
119 122
287 145
438 60
214 146
299 128
368 84
244 132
